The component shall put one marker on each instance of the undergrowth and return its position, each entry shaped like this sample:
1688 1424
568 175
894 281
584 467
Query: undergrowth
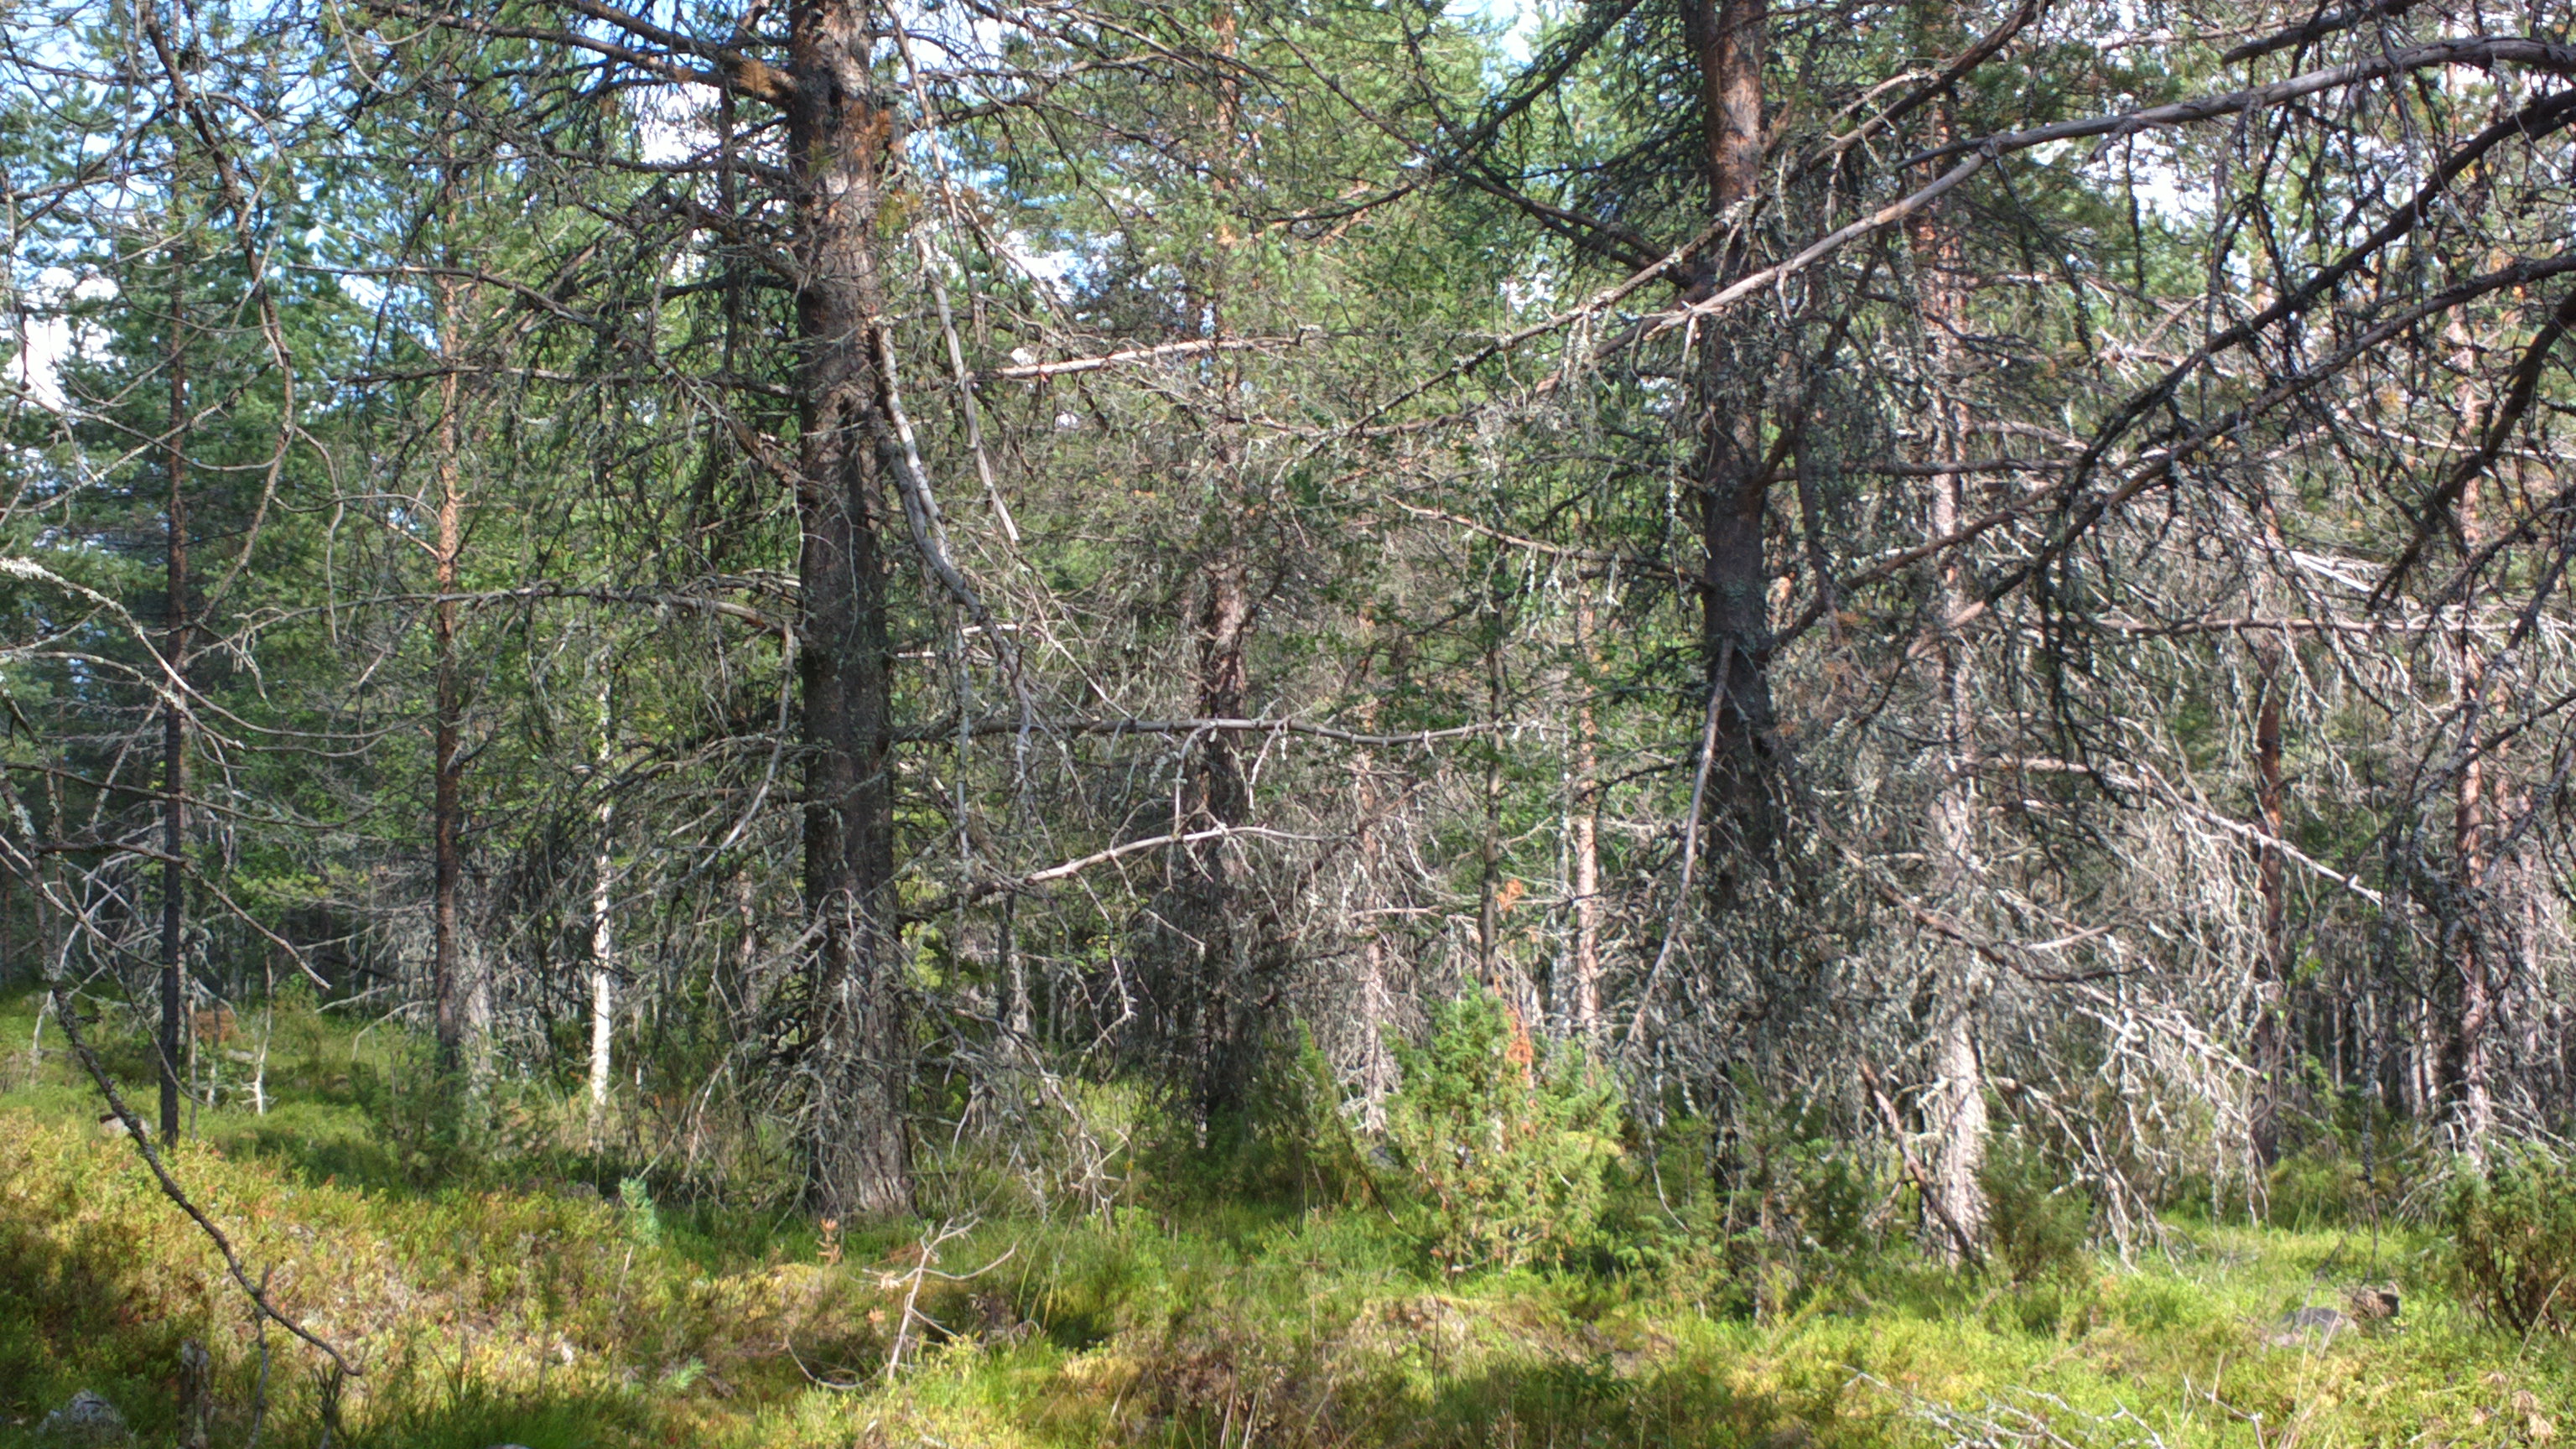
555 1299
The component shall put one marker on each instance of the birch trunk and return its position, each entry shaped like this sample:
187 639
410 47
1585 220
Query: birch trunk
603 934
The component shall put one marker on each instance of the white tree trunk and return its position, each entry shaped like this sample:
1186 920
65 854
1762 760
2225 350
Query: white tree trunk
1959 1083
1958 1104
603 937
1584 805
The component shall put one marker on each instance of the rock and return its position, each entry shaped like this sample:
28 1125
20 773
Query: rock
1001 1322
87 1419
2309 1325
2365 1307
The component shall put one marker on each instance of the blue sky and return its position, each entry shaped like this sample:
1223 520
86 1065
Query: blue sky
1519 17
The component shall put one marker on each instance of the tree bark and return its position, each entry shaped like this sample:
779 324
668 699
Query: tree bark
1958 1114
1378 1072
747 992
1215 1008
839 134
603 932
1584 832
1958 1069
2271 984
1489 845
1959 1090
2476 1102
1222 994
462 998
1728 39
174 719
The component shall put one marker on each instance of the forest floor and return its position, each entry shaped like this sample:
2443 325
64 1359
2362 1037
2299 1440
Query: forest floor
515 1306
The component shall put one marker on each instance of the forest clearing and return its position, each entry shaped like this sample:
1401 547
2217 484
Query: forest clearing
1764 723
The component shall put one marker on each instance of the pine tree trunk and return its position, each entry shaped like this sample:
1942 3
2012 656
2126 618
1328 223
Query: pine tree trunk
2270 1029
1959 1090
1727 40
2477 1007
859 1055
174 722
1218 1014
1584 831
1958 1113
463 1003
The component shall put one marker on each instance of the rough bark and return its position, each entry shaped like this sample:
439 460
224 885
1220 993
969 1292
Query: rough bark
1727 41
1958 1105
839 135
1222 1005
1216 1007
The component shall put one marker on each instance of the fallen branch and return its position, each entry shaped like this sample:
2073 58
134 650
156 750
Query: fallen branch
983 729
1102 857
928 1253
1165 352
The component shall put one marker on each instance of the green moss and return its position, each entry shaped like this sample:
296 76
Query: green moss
492 1304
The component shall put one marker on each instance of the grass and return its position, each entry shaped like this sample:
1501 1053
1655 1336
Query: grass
505 1304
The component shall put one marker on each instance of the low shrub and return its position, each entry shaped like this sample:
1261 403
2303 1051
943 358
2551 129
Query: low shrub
2321 1184
1304 1145
2513 1240
2040 1225
1800 1208
1500 1151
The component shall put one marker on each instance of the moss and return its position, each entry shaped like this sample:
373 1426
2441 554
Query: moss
498 1307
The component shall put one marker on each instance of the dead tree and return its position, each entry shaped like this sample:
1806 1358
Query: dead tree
174 718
